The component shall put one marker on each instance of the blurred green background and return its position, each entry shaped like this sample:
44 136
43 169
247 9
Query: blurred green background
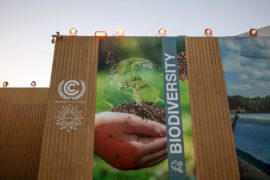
140 56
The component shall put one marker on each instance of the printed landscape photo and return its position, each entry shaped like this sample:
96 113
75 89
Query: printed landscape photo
246 62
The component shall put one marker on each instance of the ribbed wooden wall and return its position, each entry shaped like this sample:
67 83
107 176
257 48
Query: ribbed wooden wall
25 113
22 117
68 155
215 153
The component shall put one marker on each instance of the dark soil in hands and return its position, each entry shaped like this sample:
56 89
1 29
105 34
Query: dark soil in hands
145 110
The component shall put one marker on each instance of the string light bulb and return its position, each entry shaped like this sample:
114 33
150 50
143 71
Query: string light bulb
162 32
100 34
208 32
5 84
253 32
73 31
120 32
33 84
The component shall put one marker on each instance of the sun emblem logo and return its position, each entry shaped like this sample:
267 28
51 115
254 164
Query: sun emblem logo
69 117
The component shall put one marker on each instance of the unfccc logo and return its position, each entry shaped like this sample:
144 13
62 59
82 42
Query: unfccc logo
71 90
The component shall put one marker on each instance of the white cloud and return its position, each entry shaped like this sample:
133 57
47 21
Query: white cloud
243 77
232 63
246 64
233 44
261 84
240 87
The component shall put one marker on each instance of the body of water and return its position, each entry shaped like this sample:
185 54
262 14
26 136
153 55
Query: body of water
252 134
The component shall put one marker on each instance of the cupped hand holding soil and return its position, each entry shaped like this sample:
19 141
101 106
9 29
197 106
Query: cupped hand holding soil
127 141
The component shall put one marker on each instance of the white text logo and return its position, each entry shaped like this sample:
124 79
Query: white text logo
71 90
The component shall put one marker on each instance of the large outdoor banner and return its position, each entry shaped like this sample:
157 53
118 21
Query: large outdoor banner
129 101
246 62
143 126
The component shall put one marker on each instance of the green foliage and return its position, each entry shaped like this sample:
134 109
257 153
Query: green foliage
103 171
184 97
253 105
135 83
131 80
145 47
130 65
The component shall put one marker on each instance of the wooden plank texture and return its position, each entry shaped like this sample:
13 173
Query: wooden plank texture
215 153
67 149
22 117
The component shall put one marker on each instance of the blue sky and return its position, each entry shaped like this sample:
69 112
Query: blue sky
246 64
26 26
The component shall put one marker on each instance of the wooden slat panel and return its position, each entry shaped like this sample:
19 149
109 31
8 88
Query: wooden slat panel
22 117
68 155
215 154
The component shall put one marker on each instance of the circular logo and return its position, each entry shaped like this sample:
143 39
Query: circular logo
71 89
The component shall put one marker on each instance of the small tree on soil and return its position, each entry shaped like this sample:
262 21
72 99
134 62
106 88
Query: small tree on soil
135 83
